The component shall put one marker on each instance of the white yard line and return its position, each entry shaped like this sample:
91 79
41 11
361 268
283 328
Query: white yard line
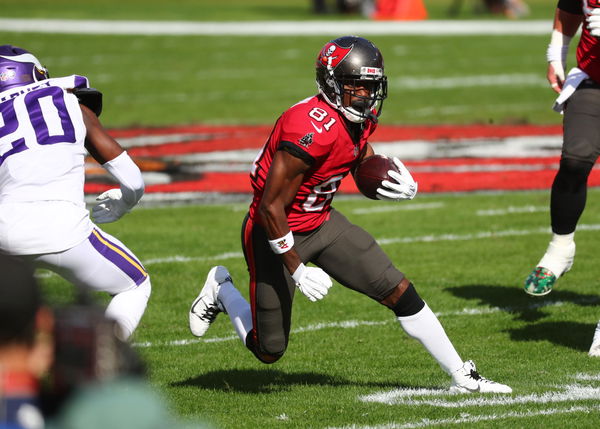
512 210
278 28
386 241
517 79
414 397
395 208
478 235
467 418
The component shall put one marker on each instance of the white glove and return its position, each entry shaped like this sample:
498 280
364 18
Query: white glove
110 207
403 188
312 282
593 21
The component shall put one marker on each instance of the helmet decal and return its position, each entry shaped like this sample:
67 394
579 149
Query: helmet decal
19 67
371 71
350 77
6 75
328 58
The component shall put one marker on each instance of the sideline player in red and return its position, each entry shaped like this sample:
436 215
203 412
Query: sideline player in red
313 145
579 99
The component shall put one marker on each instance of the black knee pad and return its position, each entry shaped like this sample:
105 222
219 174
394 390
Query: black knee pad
573 174
409 303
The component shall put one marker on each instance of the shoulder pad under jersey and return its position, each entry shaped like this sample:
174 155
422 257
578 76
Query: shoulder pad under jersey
90 98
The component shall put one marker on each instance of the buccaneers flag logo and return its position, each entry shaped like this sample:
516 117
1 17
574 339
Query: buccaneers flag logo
331 55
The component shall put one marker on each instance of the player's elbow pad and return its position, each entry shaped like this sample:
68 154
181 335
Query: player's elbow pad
129 176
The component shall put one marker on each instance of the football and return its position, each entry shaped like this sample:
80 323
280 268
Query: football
370 172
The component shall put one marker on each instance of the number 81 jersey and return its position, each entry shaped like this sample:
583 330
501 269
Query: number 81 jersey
315 132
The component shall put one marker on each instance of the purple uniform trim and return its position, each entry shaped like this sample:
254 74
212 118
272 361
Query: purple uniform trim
81 82
118 256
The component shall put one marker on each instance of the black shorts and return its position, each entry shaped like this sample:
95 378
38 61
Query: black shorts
581 124
345 251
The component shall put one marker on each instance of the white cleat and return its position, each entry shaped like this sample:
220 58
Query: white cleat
206 306
595 348
468 380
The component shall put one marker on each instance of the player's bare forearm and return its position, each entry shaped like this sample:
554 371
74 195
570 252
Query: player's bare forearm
567 23
284 179
99 144
274 220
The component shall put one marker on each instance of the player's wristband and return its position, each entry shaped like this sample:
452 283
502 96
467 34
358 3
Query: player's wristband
129 176
558 48
282 244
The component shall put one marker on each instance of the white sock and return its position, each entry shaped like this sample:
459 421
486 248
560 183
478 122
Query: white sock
237 308
127 308
425 327
559 254
563 239
597 334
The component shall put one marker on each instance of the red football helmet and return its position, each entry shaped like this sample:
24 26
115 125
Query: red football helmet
347 63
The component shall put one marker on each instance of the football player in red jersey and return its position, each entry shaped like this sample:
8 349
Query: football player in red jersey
313 145
579 100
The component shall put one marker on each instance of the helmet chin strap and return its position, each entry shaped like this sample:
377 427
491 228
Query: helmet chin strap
373 117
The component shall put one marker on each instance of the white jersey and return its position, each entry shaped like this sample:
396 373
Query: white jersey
42 173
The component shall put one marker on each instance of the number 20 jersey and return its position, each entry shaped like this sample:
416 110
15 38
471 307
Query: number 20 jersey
42 153
316 132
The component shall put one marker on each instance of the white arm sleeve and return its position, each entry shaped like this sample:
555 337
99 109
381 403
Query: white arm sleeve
129 176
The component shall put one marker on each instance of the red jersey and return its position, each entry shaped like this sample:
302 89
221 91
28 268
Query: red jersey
588 49
317 133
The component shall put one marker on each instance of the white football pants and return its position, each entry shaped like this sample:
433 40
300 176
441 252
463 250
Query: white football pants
103 263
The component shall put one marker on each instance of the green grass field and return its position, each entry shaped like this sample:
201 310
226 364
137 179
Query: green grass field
166 80
469 267
234 10
348 346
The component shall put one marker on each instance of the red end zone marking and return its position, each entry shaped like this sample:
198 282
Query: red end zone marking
497 173
429 182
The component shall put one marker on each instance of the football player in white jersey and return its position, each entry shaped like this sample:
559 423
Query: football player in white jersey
46 125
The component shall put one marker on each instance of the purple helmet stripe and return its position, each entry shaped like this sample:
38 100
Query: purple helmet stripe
118 256
19 67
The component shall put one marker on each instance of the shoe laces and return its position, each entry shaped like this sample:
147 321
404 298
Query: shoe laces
475 375
210 313
480 379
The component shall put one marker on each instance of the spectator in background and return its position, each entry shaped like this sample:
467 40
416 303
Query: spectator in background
26 347
509 8
92 379
343 6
